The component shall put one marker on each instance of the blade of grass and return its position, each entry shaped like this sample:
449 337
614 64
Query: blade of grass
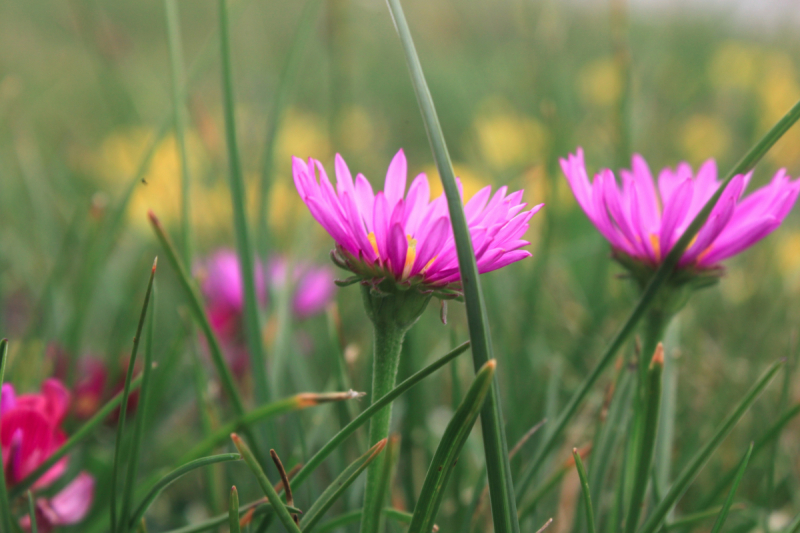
283 91
501 490
5 506
587 495
280 508
177 67
726 507
446 456
123 409
32 513
354 516
747 162
699 460
389 462
141 414
197 309
648 440
337 488
287 405
376 406
767 436
83 432
233 512
236 181
693 518
170 478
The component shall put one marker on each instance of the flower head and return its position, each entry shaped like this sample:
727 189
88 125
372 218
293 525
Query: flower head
404 236
644 218
30 432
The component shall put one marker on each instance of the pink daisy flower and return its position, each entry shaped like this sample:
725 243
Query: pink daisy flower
404 236
644 218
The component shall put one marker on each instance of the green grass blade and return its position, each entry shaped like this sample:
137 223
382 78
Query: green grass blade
283 91
767 436
501 490
587 495
375 407
177 67
141 414
197 309
794 527
726 507
352 517
446 456
118 460
280 508
693 518
32 513
261 508
5 506
337 488
170 478
656 282
233 512
699 460
83 432
243 244
648 440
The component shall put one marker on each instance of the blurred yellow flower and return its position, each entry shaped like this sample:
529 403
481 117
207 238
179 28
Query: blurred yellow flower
778 91
304 135
734 65
600 82
355 131
788 252
506 139
470 181
704 136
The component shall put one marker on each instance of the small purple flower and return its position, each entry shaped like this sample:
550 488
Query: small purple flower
644 218
404 236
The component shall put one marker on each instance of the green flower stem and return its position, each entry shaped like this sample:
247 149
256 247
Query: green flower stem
5 507
388 343
647 439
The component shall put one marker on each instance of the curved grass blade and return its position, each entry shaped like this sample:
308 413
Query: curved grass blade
587 495
501 489
446 456
233 512
259 508
387 465
196 306
243 244
280 508
339 485
32 513
648 439
726 507
376 406
692 518
5 506
141 414
83 432
699 460
648 296
287 405
170 478
123 411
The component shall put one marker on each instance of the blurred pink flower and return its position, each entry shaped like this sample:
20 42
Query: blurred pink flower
30 432
407 237
69 506
313 285
644 218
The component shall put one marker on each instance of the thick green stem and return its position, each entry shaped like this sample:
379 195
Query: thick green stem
388 338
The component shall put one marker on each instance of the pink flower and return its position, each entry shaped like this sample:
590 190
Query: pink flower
407 237
30 432
69 506
313 285
644 218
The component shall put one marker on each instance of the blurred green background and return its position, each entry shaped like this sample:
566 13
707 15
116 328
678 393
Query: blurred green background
85 89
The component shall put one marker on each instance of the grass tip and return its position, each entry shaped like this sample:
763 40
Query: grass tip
658 356
155 263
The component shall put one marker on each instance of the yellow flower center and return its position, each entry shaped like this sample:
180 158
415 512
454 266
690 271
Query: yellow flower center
655 242
411 255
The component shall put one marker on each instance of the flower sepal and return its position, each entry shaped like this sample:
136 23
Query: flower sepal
679 287
387 303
